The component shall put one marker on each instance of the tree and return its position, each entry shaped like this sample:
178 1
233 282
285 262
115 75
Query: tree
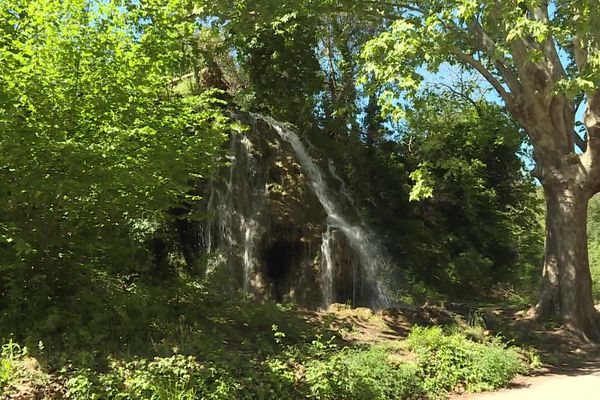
543 60
479 205
94 147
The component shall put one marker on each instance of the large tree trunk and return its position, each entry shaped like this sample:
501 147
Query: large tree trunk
566 288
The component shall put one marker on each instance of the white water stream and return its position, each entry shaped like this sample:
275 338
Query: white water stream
343 188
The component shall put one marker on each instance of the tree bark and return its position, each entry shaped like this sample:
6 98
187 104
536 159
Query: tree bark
566 287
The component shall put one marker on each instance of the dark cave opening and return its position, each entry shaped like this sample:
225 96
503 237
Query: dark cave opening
279 258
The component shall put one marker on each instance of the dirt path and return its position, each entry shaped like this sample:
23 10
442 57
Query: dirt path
579 382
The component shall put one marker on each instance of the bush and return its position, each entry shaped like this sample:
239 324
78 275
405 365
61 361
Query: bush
368 374
318 370
177 377
451 362
5 371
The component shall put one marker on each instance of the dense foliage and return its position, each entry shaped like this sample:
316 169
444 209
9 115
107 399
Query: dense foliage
477 200
465 215
95 150
541 59
480 226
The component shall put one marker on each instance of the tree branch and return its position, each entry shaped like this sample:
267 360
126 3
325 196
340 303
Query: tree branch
181 78
468 59
462 95
591 118
579 54
540 14
580 142
402 5
488 46
519 47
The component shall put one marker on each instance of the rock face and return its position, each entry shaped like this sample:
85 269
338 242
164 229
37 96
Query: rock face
277 231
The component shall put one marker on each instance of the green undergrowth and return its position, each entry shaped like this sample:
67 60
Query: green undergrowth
186 344
428 365
16 367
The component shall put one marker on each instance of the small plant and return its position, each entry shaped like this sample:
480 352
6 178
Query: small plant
533 358
278 335
10 353
80 387
13 351
177 377
5 371
476 318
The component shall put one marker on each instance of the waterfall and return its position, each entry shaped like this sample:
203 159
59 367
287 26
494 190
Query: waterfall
249 229
280 227
249 224
360 240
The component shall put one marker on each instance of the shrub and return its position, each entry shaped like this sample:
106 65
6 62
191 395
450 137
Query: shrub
10 355
10 352
449 362
17 366
368 374
5 371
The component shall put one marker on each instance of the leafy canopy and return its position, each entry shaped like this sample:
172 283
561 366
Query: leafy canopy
94 147
529 51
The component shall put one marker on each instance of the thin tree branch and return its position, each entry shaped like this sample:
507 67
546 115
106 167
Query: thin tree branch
579 54
470 60
520 48
579 141
401 5
181 78
462 95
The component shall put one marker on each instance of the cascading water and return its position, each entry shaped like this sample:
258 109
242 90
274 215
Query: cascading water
343 188
236 209
248 224
249 229
327 267
361 242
